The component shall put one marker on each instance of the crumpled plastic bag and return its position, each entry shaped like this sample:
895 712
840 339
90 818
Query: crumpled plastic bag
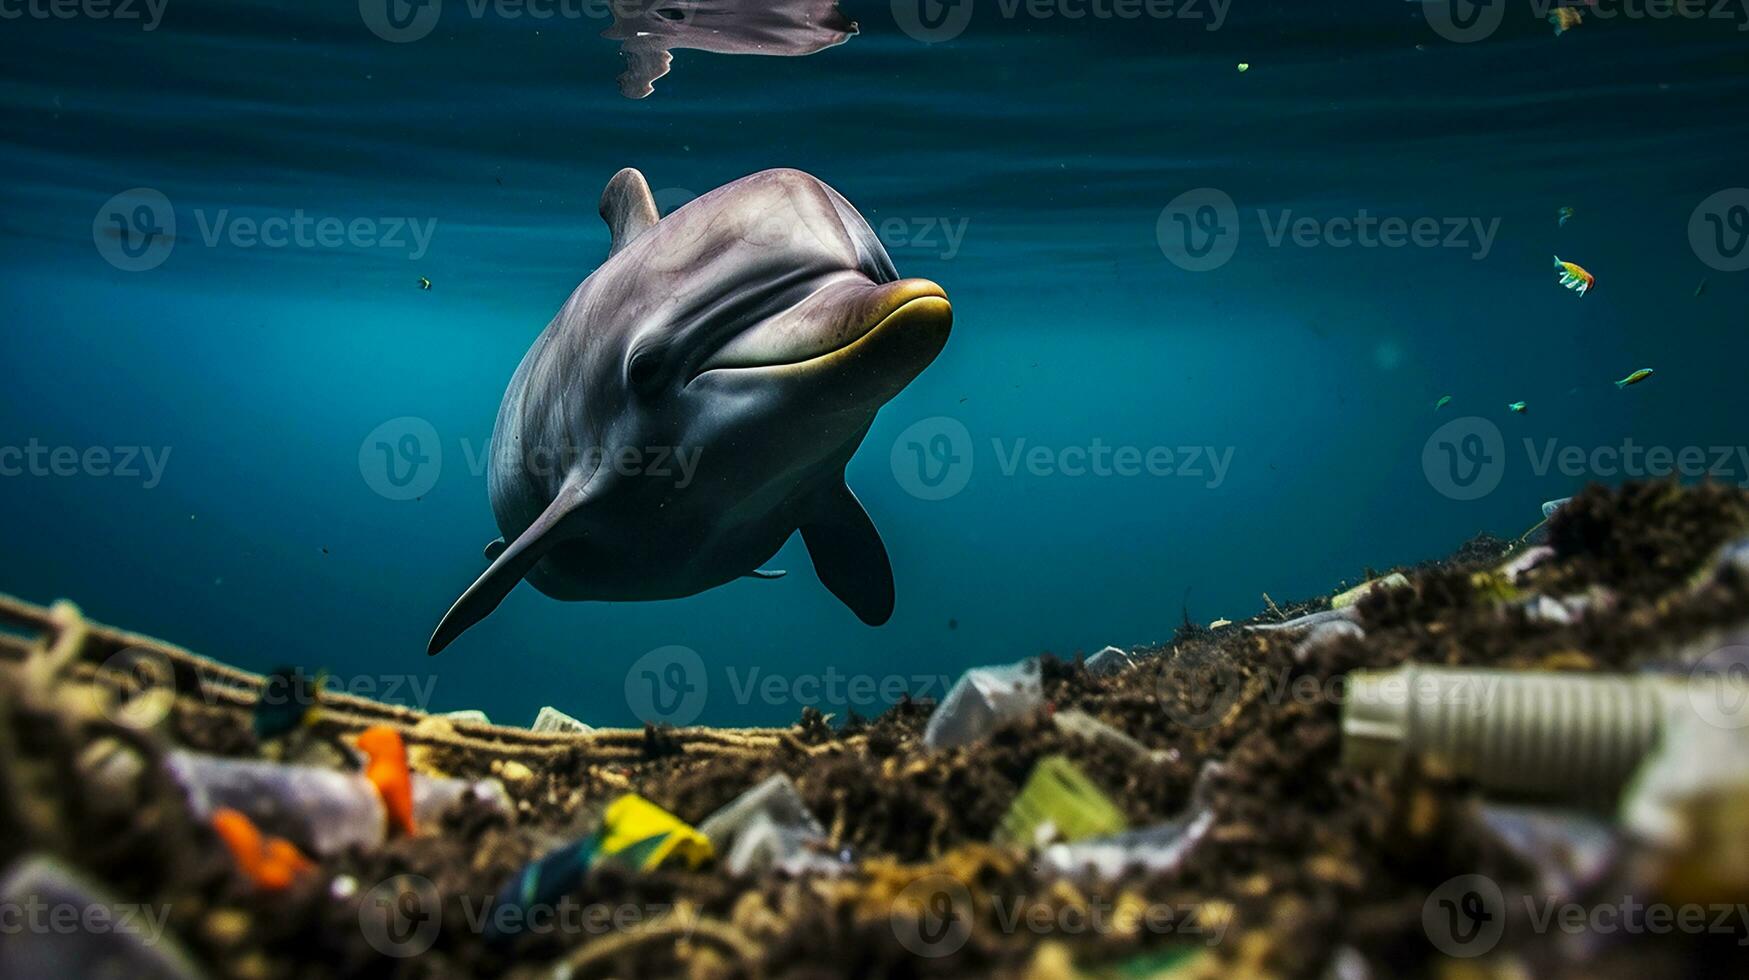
983 700
323 811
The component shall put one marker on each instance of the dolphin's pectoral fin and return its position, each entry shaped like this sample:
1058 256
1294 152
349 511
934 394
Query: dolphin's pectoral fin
495 549
849 556
628 208
766 573
511 564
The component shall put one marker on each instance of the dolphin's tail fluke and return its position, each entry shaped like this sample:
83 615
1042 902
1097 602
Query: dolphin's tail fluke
512 563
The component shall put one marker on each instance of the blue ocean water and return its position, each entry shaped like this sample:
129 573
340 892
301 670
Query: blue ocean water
1033 164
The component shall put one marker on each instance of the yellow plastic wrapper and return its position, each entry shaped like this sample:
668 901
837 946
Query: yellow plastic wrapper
1059 801
643 835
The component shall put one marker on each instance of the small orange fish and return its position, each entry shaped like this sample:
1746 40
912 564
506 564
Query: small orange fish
1574 277
272 863
387 771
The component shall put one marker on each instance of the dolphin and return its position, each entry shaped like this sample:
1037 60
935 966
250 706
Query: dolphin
696 400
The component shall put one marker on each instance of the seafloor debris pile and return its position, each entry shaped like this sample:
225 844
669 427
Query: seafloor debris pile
1557 788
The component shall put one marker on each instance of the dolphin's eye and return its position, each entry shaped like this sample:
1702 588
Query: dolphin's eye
642 369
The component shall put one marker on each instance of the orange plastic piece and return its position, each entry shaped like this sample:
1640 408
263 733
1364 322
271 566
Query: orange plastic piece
272 863
387 771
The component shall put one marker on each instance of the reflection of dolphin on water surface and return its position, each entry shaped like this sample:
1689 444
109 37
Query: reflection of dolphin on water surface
696 400
649 29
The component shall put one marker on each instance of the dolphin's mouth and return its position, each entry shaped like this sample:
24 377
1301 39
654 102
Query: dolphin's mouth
842 314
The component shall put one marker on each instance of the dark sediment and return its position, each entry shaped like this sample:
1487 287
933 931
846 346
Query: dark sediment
1304 858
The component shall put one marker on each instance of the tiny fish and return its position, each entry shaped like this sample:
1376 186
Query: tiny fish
1635 378
1565 19
1444 400
1700 289
1566 215
1574 277
424 283
287 702
1518 407
387 771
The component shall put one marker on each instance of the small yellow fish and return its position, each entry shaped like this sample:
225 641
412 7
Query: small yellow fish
1574 277
1635 378
424 283
1565 19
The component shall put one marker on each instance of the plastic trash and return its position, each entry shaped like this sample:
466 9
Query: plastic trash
1547 609
1395 580
774 799
323 811
1306 622
764 845
982 700
642 835
1058 802
1153 850
1084 725
1108 662
634 833
1736 554
552 720
1323 635
1534 733
1690 801
1570 850
1523 563
1549 507
470 716
103 943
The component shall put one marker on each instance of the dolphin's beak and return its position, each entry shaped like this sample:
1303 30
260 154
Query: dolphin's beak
847 319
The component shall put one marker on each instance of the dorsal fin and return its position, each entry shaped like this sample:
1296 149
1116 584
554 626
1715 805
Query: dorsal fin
627 207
